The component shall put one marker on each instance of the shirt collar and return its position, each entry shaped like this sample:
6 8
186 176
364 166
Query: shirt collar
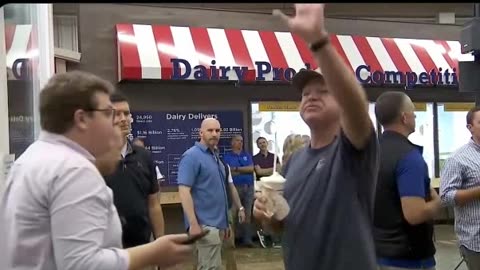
473 143
203 147
124 150
268 154
127 149
61 139
394 134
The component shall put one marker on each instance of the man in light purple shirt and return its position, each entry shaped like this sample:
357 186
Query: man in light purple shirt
56 211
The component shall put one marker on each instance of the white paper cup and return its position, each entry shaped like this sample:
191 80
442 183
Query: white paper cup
277 206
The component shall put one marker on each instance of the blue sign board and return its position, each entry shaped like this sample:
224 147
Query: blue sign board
168 134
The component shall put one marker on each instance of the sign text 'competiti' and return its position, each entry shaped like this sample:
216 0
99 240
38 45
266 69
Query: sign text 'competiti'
438 77
182 70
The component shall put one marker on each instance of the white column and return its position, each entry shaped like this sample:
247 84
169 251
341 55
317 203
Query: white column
4 137
46 62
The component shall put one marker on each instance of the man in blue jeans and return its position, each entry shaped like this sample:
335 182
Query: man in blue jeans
241 165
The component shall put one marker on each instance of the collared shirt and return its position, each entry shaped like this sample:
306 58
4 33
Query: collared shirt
125 149
243 159
265 162
201 170
462 171
132 183
57 212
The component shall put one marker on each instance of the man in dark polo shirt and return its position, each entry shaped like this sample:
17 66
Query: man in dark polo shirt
330 185
405 203
135 186
241 165
263 161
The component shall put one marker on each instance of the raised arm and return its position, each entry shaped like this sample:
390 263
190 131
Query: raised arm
309 23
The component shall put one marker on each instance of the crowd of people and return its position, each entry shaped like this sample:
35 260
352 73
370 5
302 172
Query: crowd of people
83 196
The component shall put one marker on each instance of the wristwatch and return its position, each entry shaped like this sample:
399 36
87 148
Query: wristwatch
241 208
318 45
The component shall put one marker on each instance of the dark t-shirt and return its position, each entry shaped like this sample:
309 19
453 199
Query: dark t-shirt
331 196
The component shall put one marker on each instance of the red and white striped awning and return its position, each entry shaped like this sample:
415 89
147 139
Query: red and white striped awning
19 42
145 51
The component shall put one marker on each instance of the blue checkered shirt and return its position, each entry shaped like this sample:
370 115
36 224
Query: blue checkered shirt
462 171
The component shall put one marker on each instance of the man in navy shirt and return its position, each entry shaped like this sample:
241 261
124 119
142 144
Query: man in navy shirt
405 204
241 165
330 185
134 185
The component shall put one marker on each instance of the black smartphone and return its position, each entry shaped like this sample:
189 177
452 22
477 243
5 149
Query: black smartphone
195 238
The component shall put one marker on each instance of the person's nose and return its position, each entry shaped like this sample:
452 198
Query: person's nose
120 117
314 96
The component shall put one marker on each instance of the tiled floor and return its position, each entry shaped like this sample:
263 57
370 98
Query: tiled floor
270 259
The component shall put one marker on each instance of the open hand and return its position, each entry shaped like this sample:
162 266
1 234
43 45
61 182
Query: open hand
260 208
308 21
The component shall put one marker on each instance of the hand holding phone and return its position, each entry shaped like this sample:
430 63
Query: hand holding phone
194 238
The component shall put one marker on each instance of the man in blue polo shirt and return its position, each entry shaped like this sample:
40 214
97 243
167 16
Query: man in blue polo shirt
205 192
241 165
405 204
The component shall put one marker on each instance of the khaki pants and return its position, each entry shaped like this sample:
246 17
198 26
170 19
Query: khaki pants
208 250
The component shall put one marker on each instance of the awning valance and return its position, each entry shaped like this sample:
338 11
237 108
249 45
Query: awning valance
189 53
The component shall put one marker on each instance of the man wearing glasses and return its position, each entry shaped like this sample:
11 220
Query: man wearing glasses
134 185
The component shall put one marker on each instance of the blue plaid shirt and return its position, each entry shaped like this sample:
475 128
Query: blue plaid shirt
462 171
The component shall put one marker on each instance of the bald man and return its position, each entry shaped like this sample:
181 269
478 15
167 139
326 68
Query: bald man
205 190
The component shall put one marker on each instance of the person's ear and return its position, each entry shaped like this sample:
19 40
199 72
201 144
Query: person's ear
80 119
403 118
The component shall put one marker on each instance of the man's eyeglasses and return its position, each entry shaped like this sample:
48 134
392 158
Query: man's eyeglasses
110 112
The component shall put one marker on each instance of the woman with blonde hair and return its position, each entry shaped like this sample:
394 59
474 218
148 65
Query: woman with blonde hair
292 143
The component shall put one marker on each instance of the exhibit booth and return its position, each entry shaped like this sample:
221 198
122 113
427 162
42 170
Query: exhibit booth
170 72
